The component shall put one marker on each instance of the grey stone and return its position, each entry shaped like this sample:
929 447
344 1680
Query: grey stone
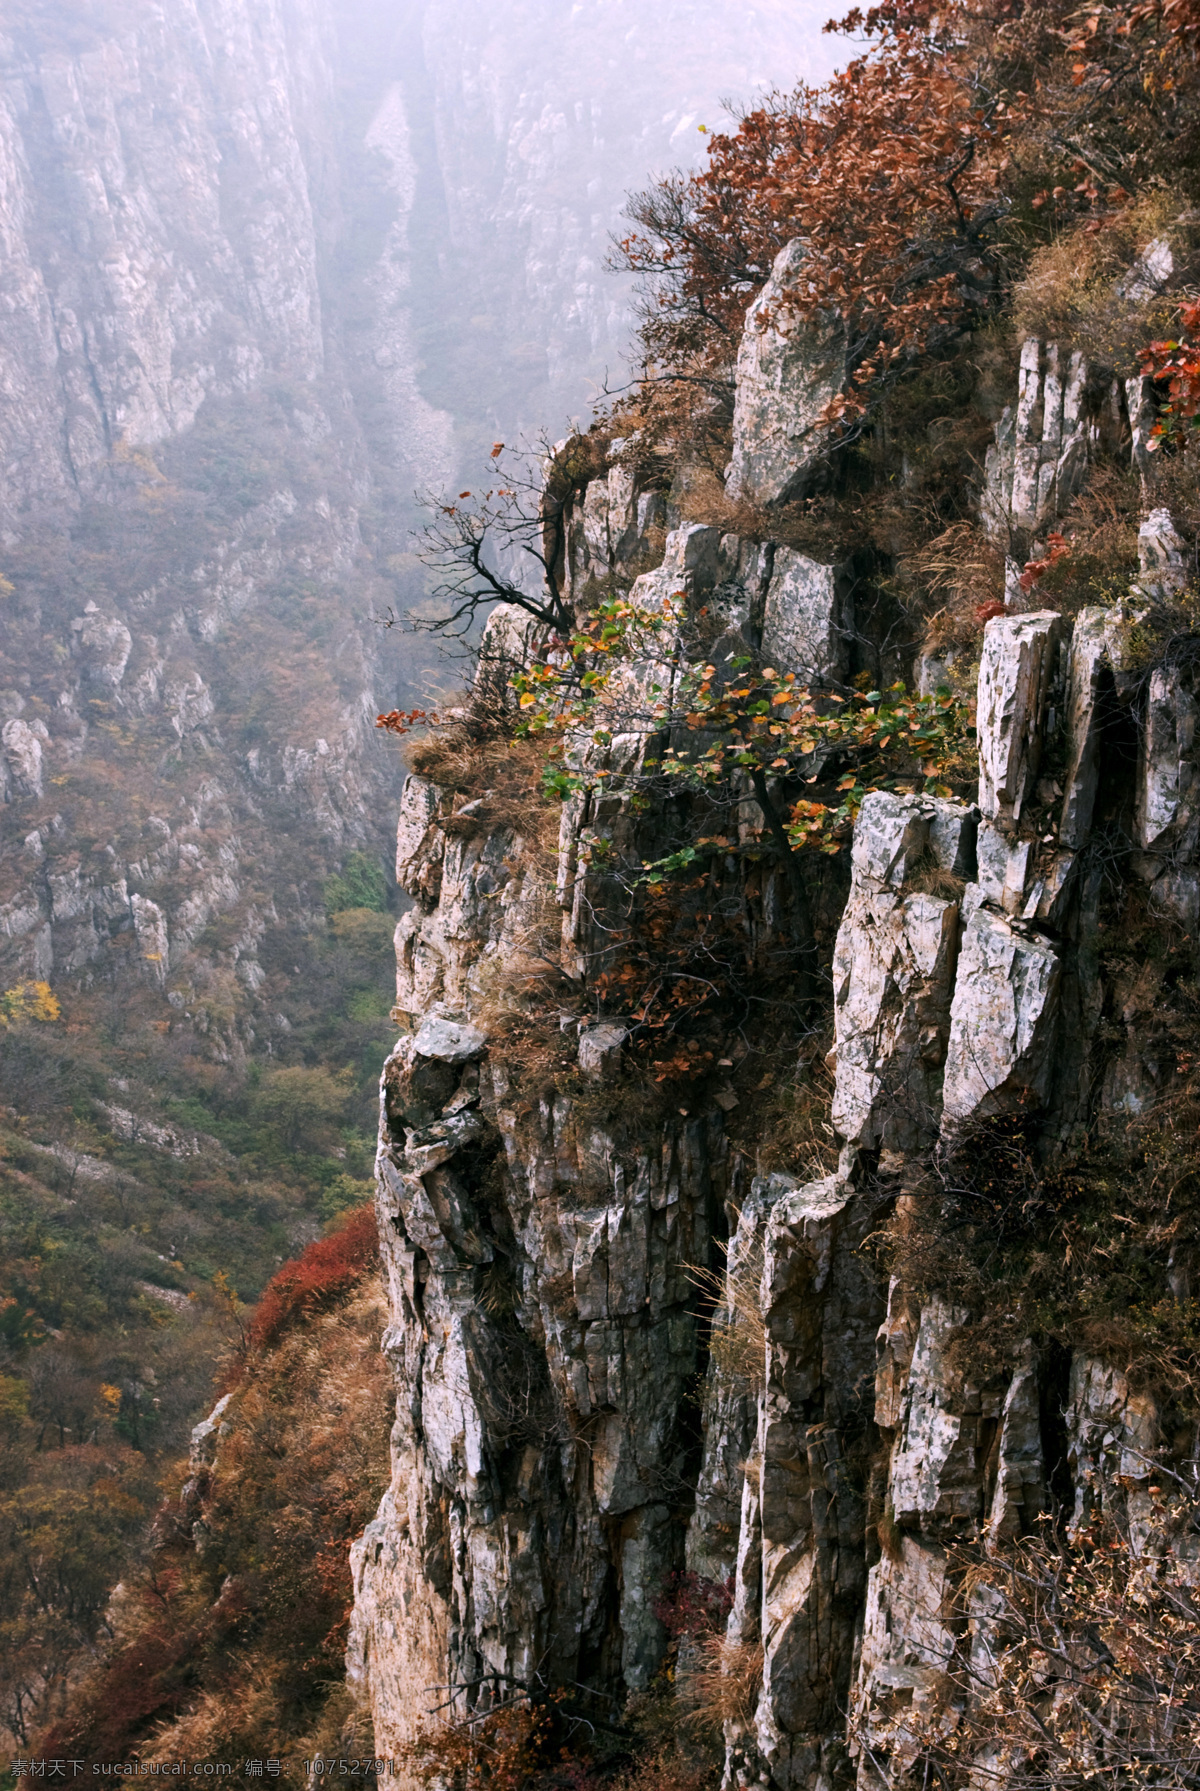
893 971
1167 807
1020 1491
1004 867
933 1469
1090 646
1014 679
449 1041
808 619
105 644
1039 457
1150 273
23 757
206 1435
600 1050
1162 557
1003 1019
790 367
1053 890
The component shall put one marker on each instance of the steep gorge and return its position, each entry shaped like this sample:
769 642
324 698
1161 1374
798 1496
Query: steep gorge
266 269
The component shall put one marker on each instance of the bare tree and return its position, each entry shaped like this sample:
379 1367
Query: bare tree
504 544
1078 1666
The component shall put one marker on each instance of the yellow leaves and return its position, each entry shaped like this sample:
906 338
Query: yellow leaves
29 1001
111 1396
528 699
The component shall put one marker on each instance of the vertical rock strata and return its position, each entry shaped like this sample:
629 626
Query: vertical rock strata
542 1263
545 1337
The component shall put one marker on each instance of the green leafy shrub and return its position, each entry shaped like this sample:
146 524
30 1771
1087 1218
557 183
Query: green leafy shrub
359 884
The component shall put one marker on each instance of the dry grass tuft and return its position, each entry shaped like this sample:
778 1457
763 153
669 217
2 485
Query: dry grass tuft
784 1123
738 1340
1069 294
928 877
721 1684
960 571
493 776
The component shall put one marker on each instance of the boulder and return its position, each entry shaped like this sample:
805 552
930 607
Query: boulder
1015 670
808 618
448 1041
1003 1018
790 367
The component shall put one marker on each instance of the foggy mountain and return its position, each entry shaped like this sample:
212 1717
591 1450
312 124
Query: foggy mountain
266 267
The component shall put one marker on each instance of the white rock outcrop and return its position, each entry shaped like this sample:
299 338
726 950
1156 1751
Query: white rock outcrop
1000 1052
790 367
808 618
1162 557
893 968
105 644
1040 453
1088 662
150 926
1015 671
23 757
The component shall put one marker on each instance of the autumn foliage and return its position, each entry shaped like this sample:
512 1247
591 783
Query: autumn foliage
229 1639
327 1269
1176 364
890 176
919 180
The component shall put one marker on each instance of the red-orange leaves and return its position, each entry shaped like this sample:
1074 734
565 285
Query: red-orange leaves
1057 548
329 1267
1177 364
403 721
889 175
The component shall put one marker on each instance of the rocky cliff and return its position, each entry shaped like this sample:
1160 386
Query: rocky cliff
265 269
871 1389
183 476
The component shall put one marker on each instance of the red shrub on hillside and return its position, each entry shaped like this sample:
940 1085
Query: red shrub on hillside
329 1267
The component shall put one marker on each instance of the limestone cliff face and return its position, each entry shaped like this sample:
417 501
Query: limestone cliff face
182 478
260 264
160 240
542 1487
